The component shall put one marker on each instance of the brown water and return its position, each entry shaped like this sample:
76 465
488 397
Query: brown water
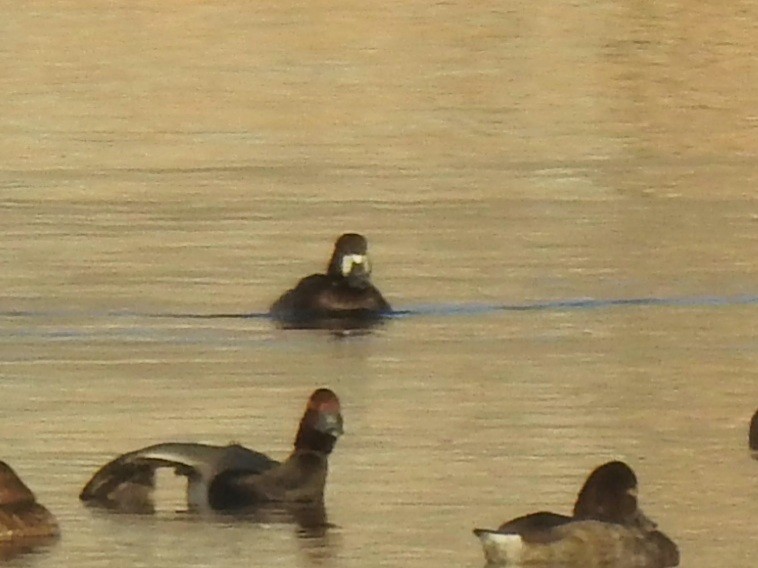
197 158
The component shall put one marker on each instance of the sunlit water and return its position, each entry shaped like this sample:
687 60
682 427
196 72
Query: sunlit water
560 201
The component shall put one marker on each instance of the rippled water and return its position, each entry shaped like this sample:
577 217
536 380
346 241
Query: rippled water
594 163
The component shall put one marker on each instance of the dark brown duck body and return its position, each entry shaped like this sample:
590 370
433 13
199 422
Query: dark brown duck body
607 528
345 292
21 517
227 477
753 435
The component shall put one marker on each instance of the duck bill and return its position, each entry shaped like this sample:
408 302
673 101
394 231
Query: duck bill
357 269
330 423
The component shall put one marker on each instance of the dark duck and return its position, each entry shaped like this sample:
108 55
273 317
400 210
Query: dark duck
607 528
24 523
343 297
227 477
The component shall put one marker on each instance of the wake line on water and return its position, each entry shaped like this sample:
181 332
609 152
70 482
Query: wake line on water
548 305
577 304
447 309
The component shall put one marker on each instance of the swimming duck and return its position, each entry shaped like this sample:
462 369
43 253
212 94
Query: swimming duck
344 292
607 529
753 436
227 477
21 517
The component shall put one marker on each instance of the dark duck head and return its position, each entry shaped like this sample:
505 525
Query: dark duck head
610 495
350 261
321 424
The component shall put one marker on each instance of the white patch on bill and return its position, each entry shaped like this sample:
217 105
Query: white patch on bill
349 260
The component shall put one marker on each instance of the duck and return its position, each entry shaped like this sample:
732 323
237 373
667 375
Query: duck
22 518
344 293
581 544
231 477
607 528
753 435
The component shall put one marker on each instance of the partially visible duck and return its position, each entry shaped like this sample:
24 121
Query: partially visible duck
344 292
227 477
753 436
607 529
21 517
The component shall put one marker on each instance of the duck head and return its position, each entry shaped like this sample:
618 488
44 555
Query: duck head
610 495
321 424
350 260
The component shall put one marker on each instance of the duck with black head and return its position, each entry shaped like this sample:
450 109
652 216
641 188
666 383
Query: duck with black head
607 529
24 523
344 295
227 477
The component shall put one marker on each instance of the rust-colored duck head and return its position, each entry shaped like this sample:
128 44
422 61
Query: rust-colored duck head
321 424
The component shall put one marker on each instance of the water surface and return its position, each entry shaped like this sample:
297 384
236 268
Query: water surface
592 162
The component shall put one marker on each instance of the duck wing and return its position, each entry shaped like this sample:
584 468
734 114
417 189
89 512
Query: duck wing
533 523
535 527
127 481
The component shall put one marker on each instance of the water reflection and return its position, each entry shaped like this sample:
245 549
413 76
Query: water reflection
318 539
310 519
339 326
315 533
39 545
